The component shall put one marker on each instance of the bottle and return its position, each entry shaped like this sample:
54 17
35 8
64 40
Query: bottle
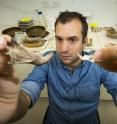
41 20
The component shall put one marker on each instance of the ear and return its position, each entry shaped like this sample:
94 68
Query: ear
85 42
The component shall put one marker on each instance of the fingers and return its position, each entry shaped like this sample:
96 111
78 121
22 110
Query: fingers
13 80
106 54
6 69
110 66
3 41
46 58
7 38
107 58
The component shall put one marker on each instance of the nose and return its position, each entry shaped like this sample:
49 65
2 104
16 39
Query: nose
64 47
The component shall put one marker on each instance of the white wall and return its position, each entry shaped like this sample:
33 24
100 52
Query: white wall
101 11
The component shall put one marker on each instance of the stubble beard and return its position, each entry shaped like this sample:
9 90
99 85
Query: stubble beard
73 62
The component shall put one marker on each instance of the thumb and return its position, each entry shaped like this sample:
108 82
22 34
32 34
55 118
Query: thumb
106 54
3 41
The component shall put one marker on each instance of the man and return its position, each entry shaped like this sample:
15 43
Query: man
73 84
107 58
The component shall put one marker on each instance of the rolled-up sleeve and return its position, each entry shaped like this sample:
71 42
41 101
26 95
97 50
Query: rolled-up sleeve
34 83
110 82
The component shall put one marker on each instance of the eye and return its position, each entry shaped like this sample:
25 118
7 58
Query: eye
59 40
73 40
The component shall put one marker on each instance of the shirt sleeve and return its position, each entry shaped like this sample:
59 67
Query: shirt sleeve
109 80
34 83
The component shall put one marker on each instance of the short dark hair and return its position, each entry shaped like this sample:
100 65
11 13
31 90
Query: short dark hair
68 16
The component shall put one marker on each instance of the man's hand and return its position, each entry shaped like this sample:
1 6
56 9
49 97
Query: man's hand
13 103
107 58
20 55
9 85
3 41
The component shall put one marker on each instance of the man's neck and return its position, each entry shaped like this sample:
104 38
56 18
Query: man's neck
75 65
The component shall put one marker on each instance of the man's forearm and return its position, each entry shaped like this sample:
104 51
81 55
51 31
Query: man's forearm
24 102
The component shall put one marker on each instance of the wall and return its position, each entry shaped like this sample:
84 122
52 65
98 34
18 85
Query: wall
101 11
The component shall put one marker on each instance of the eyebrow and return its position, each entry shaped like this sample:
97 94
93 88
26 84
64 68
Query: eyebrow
71 37
57 36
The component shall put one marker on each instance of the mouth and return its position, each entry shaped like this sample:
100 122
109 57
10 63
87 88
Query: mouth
65 57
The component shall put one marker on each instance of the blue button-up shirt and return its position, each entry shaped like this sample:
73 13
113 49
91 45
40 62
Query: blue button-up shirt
73 95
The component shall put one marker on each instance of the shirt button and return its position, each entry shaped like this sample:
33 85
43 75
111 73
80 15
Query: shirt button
71 73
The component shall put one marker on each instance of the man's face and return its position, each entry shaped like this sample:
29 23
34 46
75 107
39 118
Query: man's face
69 41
